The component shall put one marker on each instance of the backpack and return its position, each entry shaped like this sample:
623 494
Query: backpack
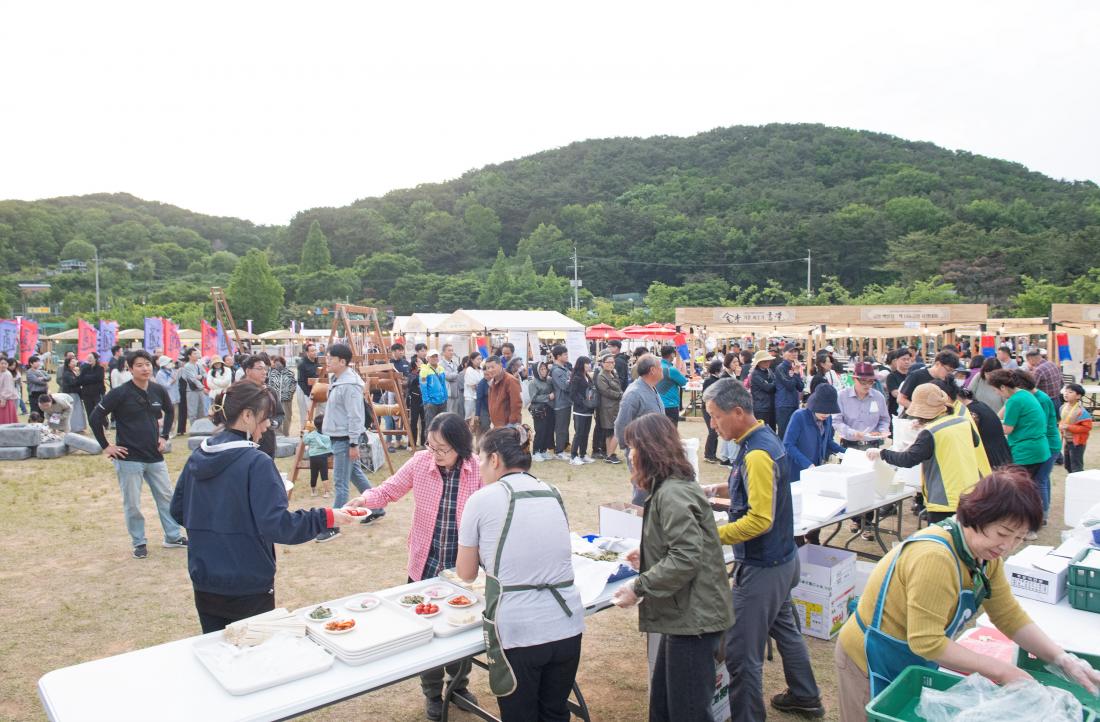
591 397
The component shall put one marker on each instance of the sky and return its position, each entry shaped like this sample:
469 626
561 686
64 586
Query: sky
263 109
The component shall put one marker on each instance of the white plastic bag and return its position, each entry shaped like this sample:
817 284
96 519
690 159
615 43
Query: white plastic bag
976 699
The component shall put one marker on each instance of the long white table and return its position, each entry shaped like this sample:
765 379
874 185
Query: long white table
168 683
1072 628
881 504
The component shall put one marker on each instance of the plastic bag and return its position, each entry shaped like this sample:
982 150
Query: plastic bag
976 699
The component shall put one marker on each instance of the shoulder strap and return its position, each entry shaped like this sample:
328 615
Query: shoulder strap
880 602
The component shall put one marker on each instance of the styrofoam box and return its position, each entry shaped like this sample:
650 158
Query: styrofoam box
855 486
1082 492
826 570
621 519
820 615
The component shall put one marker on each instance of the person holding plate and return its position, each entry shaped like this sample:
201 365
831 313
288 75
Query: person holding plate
517 530
232 501
442 480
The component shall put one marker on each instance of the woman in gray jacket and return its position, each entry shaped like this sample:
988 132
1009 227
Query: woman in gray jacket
541 390
683 575
609 393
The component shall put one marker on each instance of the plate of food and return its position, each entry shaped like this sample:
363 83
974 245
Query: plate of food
340 626
363 604
356 511
319 613
411 600
461 619
439 591
462 600
426 609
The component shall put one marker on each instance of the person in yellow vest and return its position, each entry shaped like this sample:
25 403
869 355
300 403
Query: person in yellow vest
922 593
947 448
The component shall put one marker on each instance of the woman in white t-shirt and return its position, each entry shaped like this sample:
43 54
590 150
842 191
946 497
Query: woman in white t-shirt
120 374
471 377
515 527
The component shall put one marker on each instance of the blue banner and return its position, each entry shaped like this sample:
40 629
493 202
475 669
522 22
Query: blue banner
154 335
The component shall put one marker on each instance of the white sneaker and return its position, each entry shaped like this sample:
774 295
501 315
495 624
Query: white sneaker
537 456
576 461
564 457
588 460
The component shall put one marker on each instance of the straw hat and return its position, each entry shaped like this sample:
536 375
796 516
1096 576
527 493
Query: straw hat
929 401
761 356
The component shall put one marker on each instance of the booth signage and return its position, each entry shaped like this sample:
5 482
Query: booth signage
750 315
901 314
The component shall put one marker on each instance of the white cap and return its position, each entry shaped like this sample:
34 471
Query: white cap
433 352
164 361
830 349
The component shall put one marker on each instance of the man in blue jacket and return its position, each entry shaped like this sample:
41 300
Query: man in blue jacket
789 384
672 380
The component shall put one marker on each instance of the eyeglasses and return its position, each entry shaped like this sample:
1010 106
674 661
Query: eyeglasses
865 382
439 451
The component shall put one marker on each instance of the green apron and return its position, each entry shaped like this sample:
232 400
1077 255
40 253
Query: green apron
502 681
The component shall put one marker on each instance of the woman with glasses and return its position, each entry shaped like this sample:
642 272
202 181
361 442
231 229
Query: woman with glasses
441 479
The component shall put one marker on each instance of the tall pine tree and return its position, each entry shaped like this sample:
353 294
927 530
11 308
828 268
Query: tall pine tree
255 293
315 253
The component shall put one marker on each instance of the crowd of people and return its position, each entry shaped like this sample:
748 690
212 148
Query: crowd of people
987 436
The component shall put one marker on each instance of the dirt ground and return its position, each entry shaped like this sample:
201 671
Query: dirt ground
70 591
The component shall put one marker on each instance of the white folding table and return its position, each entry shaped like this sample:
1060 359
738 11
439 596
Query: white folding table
878 506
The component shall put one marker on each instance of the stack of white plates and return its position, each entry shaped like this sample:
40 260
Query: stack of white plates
384 630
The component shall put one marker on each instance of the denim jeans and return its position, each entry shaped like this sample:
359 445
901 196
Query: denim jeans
682 687
344 469
1042 481
130 476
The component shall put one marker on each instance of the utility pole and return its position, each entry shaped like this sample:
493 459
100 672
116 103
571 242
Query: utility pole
96 280
809 262
576 282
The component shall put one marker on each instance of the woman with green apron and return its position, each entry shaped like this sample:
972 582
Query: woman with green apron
515 527
923 592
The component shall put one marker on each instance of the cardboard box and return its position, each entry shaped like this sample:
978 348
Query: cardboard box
855 486
621 519
1035 573
821 616
825 570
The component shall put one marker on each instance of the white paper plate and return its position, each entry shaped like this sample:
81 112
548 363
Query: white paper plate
356 605
438 591
337 631
403 603
426 616
469 595
306 613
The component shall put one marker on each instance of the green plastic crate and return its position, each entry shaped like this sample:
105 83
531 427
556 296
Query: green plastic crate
1083 577
1087 600
898 702
1036 668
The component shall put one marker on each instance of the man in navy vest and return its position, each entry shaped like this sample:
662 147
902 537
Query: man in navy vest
761 530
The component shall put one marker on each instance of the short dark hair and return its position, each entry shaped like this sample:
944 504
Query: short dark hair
45 399
1005 348
1007 493
136 354
397 347
657 452
1024 379
454 431
508 345
343 351
1031 353
277 359
420 347
947 358
1002 378
493 360
1076 388
558 350
715 367
512 443
615 342
948 387
32 359
667 351
35 417
989 366
251 361
115 349
318 421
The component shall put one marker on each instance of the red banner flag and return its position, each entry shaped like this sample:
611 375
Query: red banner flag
87 339
209 345
171 339
28 340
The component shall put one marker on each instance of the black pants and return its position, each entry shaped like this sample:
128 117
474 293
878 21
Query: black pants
318 468
1073 457
217 611
767 416
89 405
935 517
710 448
682 687
544 678
582 424
782 418
561 428
544 430
32 400
599 436
416 421
673 415
181 411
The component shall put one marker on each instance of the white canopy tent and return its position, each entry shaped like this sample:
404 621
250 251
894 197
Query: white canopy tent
399 323
482 321
423 323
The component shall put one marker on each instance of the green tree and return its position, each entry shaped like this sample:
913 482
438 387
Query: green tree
499 283
458 292
315 253
380 272
547 246
223 262
483 225
254 292
78 248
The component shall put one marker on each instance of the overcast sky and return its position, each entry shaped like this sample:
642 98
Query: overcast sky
259 110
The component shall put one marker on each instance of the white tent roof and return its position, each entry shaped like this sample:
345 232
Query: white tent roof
423 322
477 321
280 334
399 323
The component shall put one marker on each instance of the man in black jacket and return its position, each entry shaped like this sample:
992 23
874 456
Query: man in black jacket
139 407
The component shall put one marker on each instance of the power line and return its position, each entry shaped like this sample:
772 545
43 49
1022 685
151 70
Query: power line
693 265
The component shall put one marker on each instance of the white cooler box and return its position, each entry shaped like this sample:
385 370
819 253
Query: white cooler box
1082 493
855 486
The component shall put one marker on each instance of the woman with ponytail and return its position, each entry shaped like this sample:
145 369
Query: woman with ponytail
231 499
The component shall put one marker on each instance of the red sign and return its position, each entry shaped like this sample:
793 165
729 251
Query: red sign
87 339
28 340
209 345
171 339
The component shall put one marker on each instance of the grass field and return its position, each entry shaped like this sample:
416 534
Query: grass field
70 591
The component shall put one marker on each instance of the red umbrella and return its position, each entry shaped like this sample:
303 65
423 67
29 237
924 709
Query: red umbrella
602 332
660 330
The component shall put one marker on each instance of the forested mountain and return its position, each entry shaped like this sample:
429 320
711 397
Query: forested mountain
716 215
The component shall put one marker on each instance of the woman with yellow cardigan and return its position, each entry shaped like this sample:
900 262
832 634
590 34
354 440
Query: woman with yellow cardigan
923 592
